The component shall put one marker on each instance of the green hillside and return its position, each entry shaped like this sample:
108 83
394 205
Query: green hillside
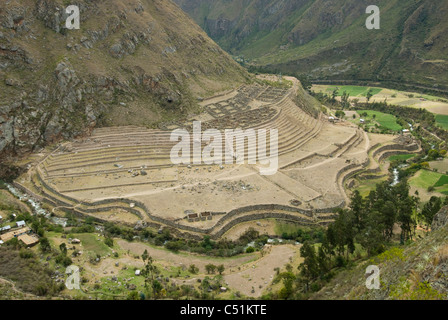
329 40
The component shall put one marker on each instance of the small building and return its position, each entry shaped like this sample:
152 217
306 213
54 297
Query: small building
206 215
1 218
138 272
193 217
14 234
362 120
20 224
6 228
28 240
76 241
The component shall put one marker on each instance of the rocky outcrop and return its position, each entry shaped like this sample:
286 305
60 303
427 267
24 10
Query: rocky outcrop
440 219
130 61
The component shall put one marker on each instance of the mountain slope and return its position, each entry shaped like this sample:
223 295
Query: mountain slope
131 62
415 272
329 40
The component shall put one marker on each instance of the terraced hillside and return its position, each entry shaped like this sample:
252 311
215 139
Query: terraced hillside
125 174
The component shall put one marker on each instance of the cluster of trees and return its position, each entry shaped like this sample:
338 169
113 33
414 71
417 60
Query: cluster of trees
368 222
221 248
156 287
422 117
211 268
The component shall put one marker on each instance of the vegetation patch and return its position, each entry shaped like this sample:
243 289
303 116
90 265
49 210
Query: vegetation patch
442 121
385 120
401 157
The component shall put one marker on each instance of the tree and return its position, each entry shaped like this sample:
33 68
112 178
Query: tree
221 269
345 100
340 114
357 207
63 248
193 269
210 268
334 94
45 245
149 272
288 281
430 209
309 269
109 242
369 94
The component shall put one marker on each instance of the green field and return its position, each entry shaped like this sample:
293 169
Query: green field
385 120
401 157
368 185
442 121
90 243
442 181
425 179
353 91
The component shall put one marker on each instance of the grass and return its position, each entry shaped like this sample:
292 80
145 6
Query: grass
90 243
442 121
442 181
401 157
354 91
425 179
368 185
385 120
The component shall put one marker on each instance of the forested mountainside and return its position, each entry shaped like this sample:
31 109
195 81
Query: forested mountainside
328 40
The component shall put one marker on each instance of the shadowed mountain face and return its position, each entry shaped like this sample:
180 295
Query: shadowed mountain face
131 62
329 39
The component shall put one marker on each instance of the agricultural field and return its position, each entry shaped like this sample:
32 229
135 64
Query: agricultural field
401 157
433 104
353 91
440 166
442 121
425 179
384 120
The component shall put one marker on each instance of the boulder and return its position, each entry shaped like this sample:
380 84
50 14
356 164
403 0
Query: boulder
440 219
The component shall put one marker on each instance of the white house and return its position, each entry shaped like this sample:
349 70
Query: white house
21 224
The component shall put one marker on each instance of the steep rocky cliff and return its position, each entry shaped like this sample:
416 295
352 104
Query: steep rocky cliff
131 62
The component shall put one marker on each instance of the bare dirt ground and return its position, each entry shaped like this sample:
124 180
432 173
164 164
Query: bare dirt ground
179 259
241 273
257 276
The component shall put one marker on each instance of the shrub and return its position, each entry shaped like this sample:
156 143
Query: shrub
250 249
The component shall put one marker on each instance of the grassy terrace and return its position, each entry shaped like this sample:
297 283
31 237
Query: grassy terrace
425 179
401 157
353 91
385 120
442 121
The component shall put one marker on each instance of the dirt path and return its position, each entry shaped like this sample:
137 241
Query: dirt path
15 289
